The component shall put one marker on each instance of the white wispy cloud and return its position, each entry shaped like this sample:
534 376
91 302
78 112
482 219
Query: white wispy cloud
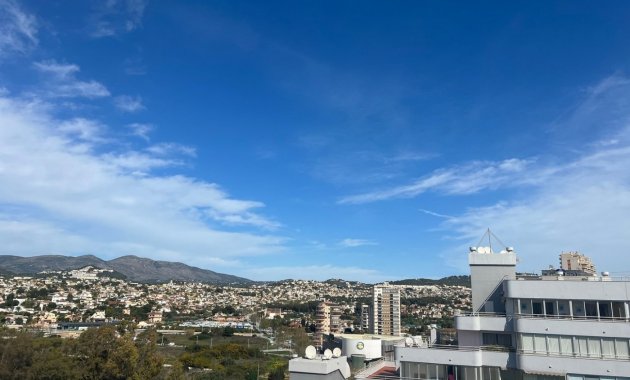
62 81
59 196
18 29
316 272
582 205
463 179
351 243
436 214
163 149
141 130
83 129
114 17
129 103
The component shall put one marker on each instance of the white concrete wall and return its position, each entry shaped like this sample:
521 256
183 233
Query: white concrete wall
372 348
583 366
568 289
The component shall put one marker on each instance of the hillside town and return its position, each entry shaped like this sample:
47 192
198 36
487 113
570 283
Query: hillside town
90 295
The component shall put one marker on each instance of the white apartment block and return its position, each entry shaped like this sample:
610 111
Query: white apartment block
385 313
552 327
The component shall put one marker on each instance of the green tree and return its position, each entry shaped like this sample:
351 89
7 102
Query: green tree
149 362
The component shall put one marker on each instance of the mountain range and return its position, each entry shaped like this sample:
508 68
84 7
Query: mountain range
144 270
134 268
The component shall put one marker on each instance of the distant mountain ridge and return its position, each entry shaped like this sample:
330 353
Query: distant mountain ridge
135 268
450 280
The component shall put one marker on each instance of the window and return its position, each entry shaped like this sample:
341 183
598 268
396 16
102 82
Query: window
594 347
566 345
605 310
578 309
582 346
525 306
540 346
608 347
553 343
493 339
537 307
621 348
527 342
618 310
550 308
591 309
563 308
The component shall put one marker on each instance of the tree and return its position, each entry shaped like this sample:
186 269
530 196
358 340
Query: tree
149 362
228 331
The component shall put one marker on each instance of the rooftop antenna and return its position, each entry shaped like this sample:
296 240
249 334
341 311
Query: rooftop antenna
490 236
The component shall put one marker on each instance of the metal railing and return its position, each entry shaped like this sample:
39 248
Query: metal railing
586 318
492 348
581 318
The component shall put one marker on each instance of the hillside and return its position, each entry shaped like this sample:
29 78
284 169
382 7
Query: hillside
134 268
450 280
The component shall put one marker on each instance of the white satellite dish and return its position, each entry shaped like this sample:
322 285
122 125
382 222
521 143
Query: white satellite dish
336 352
482 250
417 341
408 342
310 352
328 354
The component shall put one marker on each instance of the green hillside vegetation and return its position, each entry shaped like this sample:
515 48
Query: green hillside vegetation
113 354
450 280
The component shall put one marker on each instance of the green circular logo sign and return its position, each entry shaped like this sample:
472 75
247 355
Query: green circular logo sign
360 345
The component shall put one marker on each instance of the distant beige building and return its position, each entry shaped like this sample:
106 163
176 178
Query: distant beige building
385 310
155 317
327 321
578 262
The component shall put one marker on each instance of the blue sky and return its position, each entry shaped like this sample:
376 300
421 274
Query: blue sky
367 141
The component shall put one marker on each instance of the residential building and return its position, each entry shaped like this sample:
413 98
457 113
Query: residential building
327 321
551 327
385 310
365 318
575 261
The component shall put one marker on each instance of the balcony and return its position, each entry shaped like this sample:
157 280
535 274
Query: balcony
458 355
483 322
568 364
571 326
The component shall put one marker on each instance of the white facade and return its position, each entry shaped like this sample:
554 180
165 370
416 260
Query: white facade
370 347
531 328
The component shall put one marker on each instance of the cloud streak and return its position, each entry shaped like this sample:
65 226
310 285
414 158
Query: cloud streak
116 17
581 204
352 243
464 179
18 29
128 103
74 198
64 84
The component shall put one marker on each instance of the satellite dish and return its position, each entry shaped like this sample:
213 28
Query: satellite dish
408 342
417 341
482 250
336 352
310 352
328 354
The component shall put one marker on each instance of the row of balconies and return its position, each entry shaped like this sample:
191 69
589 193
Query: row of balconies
477 357
519 324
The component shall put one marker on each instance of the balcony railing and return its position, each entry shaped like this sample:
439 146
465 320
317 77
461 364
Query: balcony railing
590 318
